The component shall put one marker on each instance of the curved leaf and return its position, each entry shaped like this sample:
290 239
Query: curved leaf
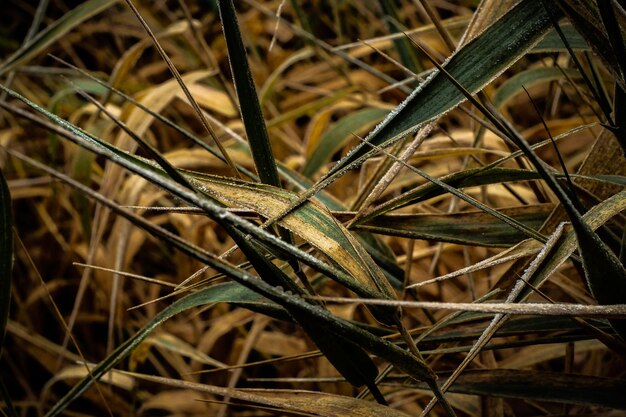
339 134
528 78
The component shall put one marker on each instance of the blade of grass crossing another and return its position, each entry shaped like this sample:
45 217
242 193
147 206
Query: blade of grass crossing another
251 113
476 64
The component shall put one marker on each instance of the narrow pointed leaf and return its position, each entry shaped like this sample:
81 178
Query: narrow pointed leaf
251 113
288 402
529 78
471 228
552 41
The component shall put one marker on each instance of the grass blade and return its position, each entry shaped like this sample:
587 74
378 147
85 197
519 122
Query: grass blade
338 135
543 386
251 113
467 228
286 402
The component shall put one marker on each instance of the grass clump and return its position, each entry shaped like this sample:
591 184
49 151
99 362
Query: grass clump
260 208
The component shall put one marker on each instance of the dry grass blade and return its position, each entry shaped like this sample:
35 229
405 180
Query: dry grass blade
311 403
540 309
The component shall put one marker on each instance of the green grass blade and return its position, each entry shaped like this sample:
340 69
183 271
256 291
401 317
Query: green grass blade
54 32
251 113
552 42
250 108
338 135
468 228
6 254
408 57
529 78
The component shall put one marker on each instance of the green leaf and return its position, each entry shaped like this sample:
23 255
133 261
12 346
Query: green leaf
251 113
408 56
462 179
552 41
337 136
6 254
543 386
468 228
54 32
527 79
